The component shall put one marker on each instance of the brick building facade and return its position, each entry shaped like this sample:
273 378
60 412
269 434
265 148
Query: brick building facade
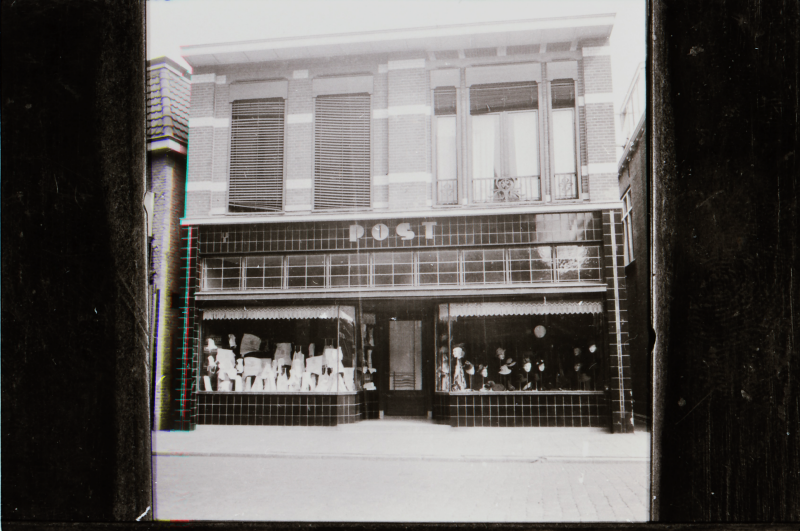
168 91
437 207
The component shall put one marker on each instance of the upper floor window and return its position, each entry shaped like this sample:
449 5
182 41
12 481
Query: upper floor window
342 152
445 101
505 142
565 175
256 164
627 227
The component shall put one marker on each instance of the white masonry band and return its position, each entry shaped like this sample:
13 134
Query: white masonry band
209 121
206 186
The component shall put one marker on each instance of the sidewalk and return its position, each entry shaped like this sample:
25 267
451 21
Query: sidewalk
401 471
407 439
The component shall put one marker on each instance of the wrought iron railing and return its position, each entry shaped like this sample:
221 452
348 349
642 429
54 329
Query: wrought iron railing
565 186
505 190
447 192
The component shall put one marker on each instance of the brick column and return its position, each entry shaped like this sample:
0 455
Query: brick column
380 138
168 183
616 308
200 153
298 149
186 356
220 147
409 113
598 111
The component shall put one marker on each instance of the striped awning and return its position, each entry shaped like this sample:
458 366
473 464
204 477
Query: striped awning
288 312
488 309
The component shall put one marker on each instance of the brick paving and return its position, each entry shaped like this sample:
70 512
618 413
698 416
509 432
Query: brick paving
404 471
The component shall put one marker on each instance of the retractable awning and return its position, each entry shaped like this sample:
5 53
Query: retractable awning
489 309
276 312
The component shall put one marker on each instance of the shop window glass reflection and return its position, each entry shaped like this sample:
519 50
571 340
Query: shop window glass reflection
575 263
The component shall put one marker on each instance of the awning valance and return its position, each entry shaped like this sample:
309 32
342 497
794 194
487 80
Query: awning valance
288 312
487 309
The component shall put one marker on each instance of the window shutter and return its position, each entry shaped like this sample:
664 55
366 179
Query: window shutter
484 99
342 154
256 175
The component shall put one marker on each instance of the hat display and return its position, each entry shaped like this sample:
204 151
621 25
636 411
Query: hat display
250 343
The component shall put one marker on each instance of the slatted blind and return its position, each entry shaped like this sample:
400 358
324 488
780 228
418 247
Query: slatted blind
444 100
498 97
342 152
256 180
563 91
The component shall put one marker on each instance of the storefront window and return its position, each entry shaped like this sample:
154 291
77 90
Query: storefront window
492 347
278 350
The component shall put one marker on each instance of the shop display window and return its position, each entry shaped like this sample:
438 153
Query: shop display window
280 350
520 347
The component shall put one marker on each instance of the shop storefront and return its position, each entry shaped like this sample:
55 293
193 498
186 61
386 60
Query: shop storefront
489 320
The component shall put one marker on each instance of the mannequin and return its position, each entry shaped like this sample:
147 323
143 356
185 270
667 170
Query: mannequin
459 383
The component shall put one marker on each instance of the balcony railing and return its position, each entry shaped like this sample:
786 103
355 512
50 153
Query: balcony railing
447 192
565 186
505 190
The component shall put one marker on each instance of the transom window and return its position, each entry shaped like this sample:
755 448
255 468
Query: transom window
386 269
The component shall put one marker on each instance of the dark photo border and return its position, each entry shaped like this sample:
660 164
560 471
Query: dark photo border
723 136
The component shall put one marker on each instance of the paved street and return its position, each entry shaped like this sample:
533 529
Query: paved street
396 470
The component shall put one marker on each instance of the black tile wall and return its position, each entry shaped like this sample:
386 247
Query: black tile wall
522 410
261 409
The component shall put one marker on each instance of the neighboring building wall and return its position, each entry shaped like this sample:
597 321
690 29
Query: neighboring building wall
168 182
633 177
167 135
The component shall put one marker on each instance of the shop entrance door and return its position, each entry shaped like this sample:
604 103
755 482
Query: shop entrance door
405 396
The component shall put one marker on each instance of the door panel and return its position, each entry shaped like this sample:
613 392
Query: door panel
405 396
